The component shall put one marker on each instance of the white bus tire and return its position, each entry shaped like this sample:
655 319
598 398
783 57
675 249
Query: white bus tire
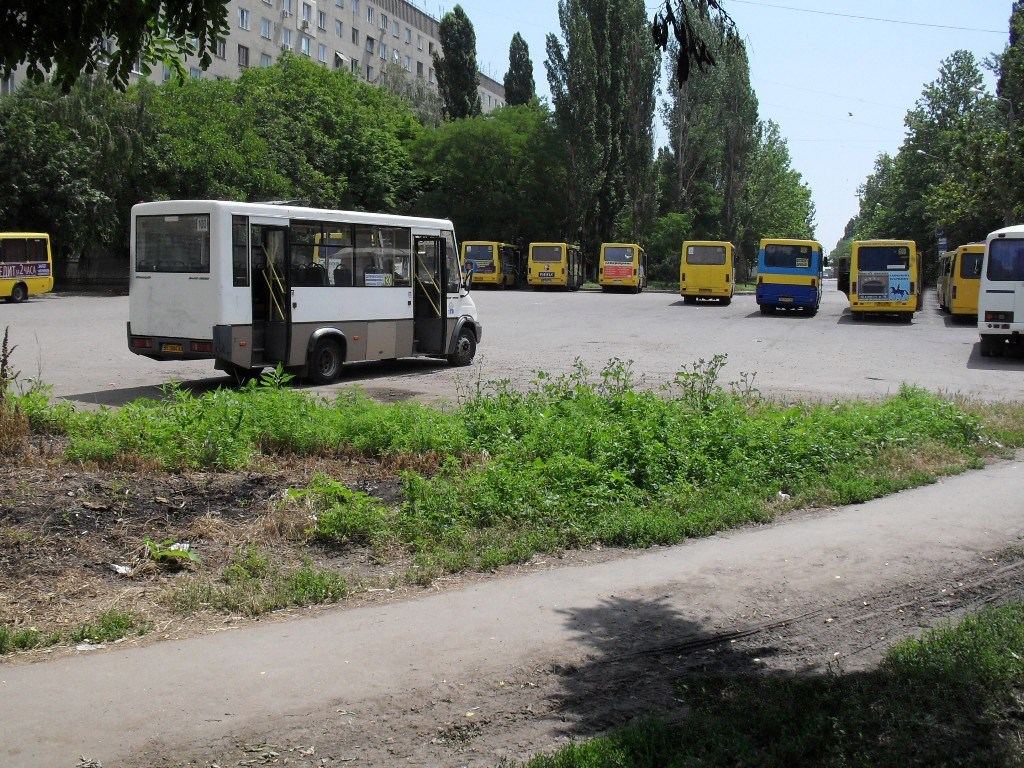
465 349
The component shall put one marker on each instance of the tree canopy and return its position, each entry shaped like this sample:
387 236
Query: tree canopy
111 36
520 87
455 64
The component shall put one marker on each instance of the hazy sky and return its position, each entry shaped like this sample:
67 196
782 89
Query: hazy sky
839 87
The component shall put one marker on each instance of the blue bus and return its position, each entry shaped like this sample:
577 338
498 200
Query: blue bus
789 275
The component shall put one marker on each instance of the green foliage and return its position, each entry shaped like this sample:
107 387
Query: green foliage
12 639
664 246
109 626
70 39
947 699
457 73
352 518
520 87
251 585
168 553
498 177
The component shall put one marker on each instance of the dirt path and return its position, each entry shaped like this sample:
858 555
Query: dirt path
513 666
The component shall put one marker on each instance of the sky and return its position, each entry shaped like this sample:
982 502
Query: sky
839 87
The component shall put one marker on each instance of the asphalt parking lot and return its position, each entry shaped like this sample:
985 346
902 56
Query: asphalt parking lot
77 345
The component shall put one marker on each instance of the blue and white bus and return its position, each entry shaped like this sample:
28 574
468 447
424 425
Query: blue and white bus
789 274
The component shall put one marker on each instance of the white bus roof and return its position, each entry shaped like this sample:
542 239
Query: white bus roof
172 207
1014 231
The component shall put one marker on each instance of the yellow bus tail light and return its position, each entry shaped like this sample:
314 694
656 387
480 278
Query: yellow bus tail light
954 291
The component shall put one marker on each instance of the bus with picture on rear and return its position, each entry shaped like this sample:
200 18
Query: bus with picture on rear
789 275
959 280
26 265
258 285
707 270
882 277
555 265
1001 293
494 265
623 266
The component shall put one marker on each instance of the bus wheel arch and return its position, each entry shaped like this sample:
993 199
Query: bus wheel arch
463 348
326 355
19 293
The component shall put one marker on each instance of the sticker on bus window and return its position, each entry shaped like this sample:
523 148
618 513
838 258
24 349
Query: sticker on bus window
802 262
378 280
689 251
202 224
170 219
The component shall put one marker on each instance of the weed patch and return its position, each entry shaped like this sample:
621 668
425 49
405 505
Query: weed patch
946 699
107 627
252 586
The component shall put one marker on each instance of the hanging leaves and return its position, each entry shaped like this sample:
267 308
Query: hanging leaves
676 21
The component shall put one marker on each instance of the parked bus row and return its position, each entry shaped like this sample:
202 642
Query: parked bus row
622 266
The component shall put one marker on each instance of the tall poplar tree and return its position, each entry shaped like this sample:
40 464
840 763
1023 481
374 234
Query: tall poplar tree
455 64
602 75
520 87
1010 93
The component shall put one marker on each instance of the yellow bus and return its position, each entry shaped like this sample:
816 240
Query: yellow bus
960 279
623 265
26 265
495 265
707 270
885 278
555 265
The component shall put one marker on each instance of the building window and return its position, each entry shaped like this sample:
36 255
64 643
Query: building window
369 15
221 51
243 56
340 3
355 36
307 12
286 38
384 22
408 64
369 73
355 67
321 53
288 5
355 7
408 36
395 29
338 27
243 18
430 47
304 45
370 43
419 42
383 51
265 60
4 83
431 73
419 69
265 28
321 19
195 73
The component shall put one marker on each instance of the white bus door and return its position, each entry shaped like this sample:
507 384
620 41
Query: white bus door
271 302
430 303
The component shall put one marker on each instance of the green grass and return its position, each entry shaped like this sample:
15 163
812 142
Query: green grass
107 627
575 461
948 699
252 586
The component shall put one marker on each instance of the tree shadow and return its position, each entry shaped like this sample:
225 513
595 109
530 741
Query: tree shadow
699 698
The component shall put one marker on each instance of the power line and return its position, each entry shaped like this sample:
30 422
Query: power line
870 18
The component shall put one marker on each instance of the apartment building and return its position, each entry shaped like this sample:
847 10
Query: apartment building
362 36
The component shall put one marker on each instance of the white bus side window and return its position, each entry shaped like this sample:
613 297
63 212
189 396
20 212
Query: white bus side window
452 263
397 248
304 271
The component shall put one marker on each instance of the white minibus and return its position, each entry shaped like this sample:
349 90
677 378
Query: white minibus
1001 295
256 285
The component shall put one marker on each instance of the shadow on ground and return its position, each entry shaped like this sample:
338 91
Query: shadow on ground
702 702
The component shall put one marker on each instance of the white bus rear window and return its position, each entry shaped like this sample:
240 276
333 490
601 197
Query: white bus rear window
174 244
1006 260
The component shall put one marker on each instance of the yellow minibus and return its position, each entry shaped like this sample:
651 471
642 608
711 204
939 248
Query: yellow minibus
26 265
622 266
707 270
495 265
885 278
960 279
555 265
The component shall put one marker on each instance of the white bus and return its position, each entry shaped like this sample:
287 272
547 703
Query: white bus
257 285
1001 295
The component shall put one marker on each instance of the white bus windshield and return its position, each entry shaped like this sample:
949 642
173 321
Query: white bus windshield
1006 260
179 244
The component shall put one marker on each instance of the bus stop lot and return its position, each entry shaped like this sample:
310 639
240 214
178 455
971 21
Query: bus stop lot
78 345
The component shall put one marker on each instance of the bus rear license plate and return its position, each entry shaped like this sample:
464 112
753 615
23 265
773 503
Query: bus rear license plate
705 290
547 275
786 300
175 349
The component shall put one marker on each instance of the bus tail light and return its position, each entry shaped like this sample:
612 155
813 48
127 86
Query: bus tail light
853 286
954 291
202 347
760 279
814 282
141 343
999 317
912 291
